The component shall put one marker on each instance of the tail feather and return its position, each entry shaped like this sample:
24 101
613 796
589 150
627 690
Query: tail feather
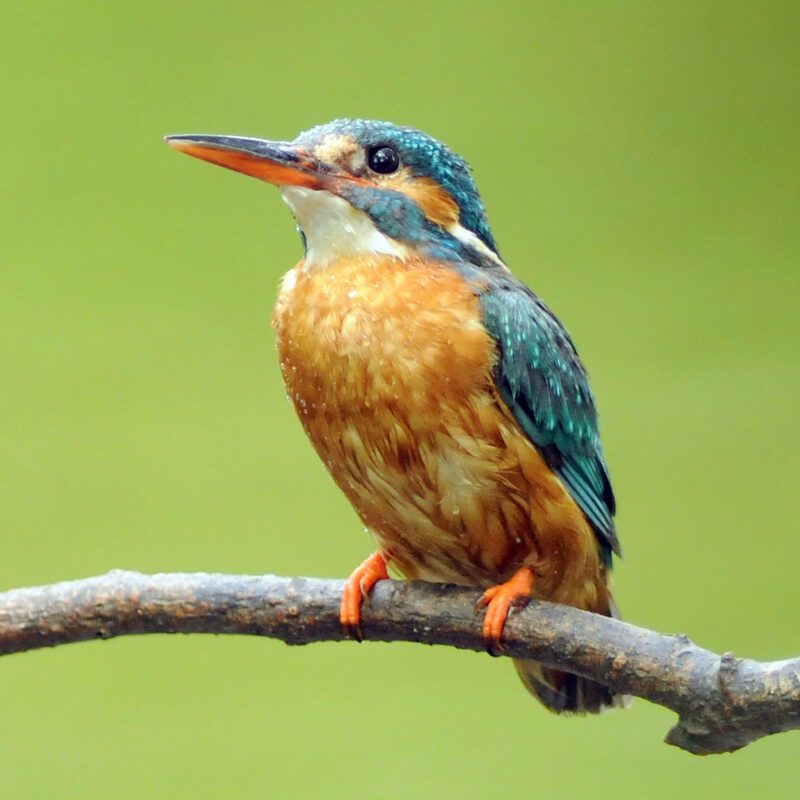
566 693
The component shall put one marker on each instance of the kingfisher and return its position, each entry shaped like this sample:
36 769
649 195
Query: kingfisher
444 397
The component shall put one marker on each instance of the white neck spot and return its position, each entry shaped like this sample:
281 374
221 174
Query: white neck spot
468 238
334 229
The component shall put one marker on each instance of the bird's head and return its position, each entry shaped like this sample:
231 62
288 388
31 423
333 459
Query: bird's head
360 187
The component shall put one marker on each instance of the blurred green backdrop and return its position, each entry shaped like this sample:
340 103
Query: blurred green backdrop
641 169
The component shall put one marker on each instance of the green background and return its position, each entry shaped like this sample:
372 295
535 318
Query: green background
641 168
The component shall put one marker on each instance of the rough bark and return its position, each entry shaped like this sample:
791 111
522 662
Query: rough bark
722 702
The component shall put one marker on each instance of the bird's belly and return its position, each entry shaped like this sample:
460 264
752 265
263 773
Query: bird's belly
389 369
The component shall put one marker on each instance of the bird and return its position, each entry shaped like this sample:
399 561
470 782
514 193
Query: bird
444 397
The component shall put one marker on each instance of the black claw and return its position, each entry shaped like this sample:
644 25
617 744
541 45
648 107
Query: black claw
495 648
353 632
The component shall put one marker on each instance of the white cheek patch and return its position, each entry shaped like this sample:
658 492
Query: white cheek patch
334 229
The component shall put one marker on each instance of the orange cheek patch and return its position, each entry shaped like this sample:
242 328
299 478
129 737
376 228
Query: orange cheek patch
438 204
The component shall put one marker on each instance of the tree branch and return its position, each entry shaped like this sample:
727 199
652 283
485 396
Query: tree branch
723 702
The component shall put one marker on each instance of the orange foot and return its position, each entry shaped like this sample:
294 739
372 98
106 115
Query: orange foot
516 591
357 587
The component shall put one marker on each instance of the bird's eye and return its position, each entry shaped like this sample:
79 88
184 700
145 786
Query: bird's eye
383 159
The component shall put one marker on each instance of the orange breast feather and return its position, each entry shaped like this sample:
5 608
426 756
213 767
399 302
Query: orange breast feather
390 370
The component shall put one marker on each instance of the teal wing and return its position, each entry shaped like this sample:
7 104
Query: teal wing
543 382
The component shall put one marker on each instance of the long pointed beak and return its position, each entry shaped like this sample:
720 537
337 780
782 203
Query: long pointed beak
279 163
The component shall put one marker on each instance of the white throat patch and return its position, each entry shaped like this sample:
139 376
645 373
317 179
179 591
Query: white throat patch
334 229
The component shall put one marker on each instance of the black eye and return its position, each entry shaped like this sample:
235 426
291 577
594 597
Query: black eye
383 159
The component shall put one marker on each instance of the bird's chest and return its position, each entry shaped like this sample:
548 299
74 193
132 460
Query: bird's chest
389 368
361 338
